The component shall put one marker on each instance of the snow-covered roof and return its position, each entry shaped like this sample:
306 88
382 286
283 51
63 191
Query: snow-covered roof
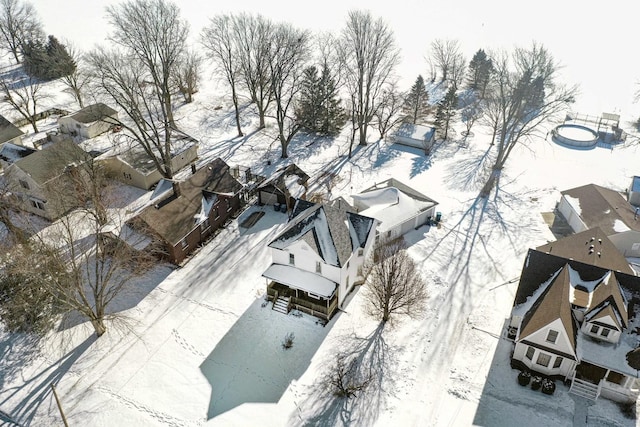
391 203
330 229
11 153
300 279
417 132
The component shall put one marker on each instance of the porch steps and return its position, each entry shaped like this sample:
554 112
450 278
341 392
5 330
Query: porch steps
584 389
280 305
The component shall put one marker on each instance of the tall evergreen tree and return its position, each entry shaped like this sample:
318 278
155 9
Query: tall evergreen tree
319 108
446 111
480 70
47 62
416 104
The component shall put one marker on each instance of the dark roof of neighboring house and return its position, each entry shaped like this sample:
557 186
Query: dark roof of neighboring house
11 153
553 304
93 113
331 229
8 130
51 161
604 208
174 217
579 247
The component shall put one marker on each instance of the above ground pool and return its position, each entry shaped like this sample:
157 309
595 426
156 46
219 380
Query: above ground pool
575 135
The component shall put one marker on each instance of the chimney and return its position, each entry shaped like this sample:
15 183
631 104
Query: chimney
176 188
193 168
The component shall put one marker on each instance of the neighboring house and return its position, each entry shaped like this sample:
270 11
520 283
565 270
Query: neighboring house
9 133
286 186
133 166
591 206
318 258
44 180
11 153
90 121
398 207
576 314
417 136
633 192
186 213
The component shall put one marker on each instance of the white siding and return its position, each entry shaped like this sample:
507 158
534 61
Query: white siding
628 243
613 336
562 343
572 217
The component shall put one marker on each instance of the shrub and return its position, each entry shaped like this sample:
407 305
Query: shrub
548 386
523 378
536 383
288 341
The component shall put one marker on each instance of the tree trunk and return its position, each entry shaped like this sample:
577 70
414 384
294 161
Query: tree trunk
363 135
491 182
34 125
99 327
234 96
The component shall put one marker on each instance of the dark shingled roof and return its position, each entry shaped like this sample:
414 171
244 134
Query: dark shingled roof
591 247
602 207
277 181
51 161
332 230
174 218
608 296
93 113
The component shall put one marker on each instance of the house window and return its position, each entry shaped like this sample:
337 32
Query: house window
543 359
552 336
126 175
24 184
557 362
292 259
615 377
37 204
595 329
360 251
605 332
530 352
389 233
184 244
318 267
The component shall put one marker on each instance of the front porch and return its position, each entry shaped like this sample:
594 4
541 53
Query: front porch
298 299
592 381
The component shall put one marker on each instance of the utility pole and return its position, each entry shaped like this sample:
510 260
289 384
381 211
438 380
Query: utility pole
64 419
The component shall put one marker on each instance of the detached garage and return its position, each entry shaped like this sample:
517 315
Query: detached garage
398 207
287 185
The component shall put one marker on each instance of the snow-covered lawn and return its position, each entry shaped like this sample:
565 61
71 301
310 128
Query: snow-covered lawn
199 347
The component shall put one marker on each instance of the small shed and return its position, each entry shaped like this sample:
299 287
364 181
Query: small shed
9 133
90 121
417 136
284 187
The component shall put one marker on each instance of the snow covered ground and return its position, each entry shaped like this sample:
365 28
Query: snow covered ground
200 346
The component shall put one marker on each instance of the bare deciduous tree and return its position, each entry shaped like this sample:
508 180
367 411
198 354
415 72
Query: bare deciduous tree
78 80
123 79
389 108
253 35
288 54
523 94
19 23
153 32
188 75
24 94
393 282
368 55
220 40
445 55
79 269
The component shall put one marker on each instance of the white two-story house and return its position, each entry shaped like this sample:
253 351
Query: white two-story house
318 258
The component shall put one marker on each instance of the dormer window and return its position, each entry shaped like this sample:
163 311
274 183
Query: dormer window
318 267
595 329
360 251
292 259
605 332
552 336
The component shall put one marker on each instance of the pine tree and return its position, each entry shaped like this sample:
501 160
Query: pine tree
47 62
319 108
416 104
480 70
446 111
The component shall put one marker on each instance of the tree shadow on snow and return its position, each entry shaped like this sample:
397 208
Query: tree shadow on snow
249 364
372 360
38 387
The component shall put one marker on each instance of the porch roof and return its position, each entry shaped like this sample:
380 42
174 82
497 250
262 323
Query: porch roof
607 355
301 280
